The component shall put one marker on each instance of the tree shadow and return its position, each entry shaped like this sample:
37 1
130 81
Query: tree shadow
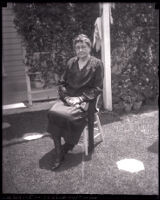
154 147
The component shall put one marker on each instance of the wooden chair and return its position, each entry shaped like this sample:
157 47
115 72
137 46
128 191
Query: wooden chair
97 127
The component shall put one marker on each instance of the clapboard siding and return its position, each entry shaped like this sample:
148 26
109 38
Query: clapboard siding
13 79
7 18
12 57
9 29
10 68
14 82
15 73
14 35
14 97
9 52
11 46
9 41
7 11
14 64
9 62
13 91
9 24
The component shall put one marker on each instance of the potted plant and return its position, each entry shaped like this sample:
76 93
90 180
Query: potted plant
127 103
38 80
128 97
38 69
138 103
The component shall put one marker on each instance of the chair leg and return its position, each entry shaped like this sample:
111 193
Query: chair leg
99 126
85 132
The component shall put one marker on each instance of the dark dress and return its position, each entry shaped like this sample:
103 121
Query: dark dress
69 121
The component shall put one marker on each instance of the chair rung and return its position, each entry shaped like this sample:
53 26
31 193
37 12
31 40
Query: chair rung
94 128
97 135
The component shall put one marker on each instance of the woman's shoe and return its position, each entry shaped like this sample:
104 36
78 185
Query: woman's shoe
67 147
58 163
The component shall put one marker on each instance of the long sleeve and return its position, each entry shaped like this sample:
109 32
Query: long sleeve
92 93
62 89
62 85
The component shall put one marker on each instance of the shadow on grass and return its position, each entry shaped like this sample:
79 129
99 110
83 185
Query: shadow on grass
71 160
37 121
23 123
154 147
107 117
20 141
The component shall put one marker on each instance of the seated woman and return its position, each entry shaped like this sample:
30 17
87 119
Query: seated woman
79 87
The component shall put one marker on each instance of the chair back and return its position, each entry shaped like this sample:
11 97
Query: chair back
96 105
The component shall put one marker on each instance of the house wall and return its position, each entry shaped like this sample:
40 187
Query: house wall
14 80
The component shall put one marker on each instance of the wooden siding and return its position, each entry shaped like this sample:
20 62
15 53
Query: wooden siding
11 41
14 81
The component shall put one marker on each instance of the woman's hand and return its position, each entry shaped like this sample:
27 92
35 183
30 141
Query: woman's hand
72 100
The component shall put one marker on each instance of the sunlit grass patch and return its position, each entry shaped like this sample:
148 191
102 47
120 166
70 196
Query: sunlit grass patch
130 165
32 136
13 106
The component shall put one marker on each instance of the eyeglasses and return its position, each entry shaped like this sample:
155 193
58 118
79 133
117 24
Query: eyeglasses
83 47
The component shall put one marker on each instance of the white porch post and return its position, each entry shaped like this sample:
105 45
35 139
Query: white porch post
106 56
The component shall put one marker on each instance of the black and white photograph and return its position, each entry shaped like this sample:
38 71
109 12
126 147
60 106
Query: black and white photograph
80 90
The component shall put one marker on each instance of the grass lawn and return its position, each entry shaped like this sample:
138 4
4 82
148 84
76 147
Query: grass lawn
26 164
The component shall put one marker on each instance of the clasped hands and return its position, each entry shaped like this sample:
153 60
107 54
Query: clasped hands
72 101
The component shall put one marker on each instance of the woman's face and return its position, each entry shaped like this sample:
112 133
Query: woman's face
82 49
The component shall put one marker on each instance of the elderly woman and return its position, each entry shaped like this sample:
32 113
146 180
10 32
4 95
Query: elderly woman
79 86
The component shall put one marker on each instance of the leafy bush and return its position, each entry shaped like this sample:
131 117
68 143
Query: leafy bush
50 27
134 37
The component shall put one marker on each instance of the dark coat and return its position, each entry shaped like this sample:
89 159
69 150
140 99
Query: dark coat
69 121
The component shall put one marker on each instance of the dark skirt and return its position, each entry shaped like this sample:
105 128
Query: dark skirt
66 121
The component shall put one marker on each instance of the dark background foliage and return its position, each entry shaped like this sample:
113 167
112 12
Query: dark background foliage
51 27
135 42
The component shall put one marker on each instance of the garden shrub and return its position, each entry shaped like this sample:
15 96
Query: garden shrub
134 41
50 27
